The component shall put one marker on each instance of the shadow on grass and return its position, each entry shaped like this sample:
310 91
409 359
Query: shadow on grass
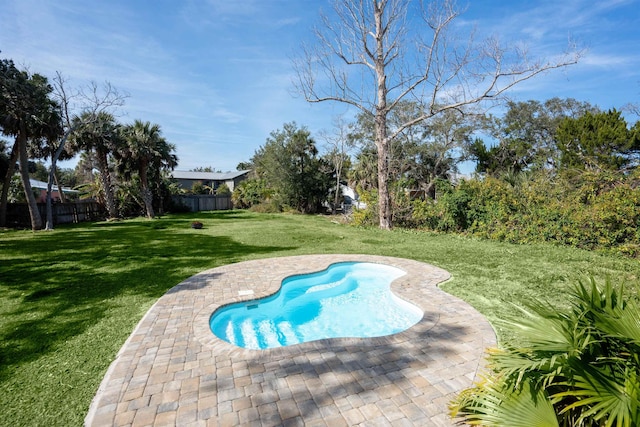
59 284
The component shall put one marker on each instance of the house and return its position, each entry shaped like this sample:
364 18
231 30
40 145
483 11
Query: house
349 199
40 189
186 179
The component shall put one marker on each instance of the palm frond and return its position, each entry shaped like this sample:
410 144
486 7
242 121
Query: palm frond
604 396
545 330
583 363
493 403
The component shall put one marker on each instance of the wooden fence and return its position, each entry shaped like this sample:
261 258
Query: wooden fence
199 202
63 213
75 212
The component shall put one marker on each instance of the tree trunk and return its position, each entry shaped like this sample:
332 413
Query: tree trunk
63 198
384 198
382 143
36 220
337 195
5 186
49 221
105 177
147 195
53 177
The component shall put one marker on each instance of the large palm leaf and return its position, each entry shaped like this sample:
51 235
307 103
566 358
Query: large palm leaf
612 314
604 396
494 404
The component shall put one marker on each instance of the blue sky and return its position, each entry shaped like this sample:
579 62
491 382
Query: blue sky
216 75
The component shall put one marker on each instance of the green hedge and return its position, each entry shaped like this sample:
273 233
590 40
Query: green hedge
592 211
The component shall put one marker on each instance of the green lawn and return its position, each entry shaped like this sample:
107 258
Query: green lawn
69 298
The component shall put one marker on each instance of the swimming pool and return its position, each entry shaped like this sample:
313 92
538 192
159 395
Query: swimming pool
348 299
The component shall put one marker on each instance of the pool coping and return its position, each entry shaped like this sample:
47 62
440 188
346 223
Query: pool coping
173 370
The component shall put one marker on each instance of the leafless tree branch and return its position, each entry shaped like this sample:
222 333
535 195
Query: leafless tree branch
372 56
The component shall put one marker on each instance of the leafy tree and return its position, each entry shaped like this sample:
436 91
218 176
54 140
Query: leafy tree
525 135
85 167
102 135
290 164
403 150
530 128
579 367
420 154
12 158
223 190
204 169
243 166
146 153
374 54
598 141
4 158
67 178
37 170
364 173
15 190
445 144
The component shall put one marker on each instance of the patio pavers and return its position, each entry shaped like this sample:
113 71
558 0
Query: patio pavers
173 371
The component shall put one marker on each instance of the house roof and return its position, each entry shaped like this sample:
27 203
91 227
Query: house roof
41 185
208 176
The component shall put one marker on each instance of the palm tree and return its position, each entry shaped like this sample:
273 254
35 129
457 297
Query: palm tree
28 114
146 153
578 368
102 135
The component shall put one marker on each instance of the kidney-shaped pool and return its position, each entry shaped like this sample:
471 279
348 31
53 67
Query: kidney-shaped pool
347 300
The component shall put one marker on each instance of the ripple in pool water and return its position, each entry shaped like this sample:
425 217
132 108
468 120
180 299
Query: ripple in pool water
348 300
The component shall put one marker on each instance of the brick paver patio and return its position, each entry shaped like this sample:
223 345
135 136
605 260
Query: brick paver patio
173 371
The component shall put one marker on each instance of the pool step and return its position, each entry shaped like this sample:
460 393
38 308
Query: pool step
261 334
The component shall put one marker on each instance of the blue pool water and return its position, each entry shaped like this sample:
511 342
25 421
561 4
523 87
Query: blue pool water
350 299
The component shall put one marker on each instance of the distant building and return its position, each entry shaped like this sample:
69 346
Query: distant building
41 190
186 179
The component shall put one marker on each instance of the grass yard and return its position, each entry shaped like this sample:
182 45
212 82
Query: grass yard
70 298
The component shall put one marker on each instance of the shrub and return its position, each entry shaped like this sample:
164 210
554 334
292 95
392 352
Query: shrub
368 215
586 213
199 188
250 192
268 206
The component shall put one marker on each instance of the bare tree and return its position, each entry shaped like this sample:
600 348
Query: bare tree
79 107
632 108
373 54
339 144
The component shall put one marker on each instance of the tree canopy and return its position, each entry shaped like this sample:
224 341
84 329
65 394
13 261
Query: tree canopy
289 163
146 153
598 141
525 135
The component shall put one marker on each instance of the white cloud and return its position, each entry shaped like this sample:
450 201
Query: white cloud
226 115
608 60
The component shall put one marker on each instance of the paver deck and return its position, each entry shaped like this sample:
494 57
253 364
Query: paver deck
173 371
